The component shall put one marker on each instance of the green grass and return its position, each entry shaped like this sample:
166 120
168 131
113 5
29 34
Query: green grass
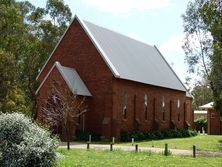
117 158
203 143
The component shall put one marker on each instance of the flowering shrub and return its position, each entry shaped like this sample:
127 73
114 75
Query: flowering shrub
23 143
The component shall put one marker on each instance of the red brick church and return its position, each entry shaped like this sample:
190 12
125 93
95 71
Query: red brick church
128 84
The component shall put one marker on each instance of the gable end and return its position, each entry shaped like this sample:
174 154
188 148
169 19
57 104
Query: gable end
95 43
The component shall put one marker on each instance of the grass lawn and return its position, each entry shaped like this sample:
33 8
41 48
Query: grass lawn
117 158
203 143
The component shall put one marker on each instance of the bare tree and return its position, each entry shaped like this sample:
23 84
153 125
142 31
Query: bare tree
62 109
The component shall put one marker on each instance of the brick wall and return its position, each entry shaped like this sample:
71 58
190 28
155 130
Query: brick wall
106 104
158 117
214 123
77 51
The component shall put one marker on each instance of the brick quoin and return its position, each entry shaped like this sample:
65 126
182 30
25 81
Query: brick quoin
105 107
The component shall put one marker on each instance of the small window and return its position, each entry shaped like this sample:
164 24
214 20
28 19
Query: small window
154 107
145 106
212 115
178 107
163 108
79 117
178 103
185 107
125 106
163 102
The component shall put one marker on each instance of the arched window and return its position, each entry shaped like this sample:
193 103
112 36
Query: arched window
163 107
163 102
178 108
125 106
145 107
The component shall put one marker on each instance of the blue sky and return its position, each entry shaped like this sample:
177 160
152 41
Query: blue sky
156 22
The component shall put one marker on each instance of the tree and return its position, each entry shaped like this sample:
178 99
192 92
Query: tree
11 96
197 42
202 94
29 35
211 13
61 111
202 45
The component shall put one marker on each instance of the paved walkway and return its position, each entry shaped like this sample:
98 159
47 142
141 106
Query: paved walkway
132 148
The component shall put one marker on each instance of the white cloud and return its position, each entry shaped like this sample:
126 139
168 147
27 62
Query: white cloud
174 54
127 6
173 45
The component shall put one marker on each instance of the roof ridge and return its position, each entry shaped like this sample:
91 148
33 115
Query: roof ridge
119 33
68 67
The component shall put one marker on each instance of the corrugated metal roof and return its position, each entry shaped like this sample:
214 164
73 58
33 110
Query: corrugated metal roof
72 79
207 106
135 60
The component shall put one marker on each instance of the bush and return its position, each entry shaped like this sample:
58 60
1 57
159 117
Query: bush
84 136
154 135
199 123
23 143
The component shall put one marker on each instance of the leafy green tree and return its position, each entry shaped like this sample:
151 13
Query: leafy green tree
202 94
197 42
211 12
29 34
203 43
11 96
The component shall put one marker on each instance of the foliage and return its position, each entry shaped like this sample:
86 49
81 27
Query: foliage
28 35
197 42
84 136
203 43
202 94
23 143
78 157
211 12
200 123
11 96
154 135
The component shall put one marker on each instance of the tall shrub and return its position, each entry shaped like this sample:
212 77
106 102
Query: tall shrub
200 123
23 143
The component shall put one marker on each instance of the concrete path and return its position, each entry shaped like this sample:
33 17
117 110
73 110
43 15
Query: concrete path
132 148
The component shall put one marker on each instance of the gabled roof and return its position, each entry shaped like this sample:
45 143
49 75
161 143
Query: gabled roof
72 79
131 59
207 106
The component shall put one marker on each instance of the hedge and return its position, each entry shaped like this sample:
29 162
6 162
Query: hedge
154 135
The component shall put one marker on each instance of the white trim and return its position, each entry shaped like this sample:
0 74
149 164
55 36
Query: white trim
96 44
200 112
45 78
59 67
54 49
99 48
